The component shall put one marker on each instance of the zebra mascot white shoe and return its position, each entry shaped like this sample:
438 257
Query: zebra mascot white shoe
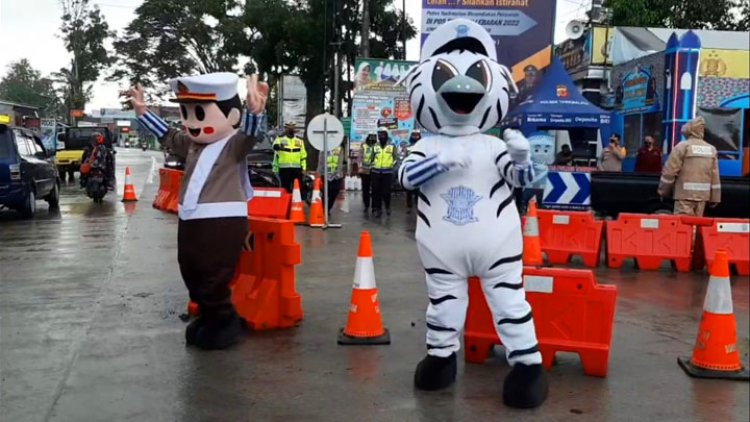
468 224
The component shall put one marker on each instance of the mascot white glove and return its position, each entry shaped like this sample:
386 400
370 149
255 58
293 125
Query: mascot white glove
454 157
518 147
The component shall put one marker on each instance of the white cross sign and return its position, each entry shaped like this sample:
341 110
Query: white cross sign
325 126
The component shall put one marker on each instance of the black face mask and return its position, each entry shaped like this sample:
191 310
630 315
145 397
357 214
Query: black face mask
289 133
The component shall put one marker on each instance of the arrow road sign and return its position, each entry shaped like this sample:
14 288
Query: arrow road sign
565 188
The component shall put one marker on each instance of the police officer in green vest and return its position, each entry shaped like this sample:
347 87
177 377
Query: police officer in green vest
411 196
336 167
381 173
365 164
290 157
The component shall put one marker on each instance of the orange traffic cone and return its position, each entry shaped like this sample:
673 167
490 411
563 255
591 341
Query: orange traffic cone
532 248
317 216
297 213
364 325
715 353
129 194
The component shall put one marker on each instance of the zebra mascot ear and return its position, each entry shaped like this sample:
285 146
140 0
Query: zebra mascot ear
458 88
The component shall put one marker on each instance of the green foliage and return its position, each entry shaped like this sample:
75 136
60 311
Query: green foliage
84 32
714 14
169 38
25 85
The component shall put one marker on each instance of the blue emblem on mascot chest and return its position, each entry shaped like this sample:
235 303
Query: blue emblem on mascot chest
461 201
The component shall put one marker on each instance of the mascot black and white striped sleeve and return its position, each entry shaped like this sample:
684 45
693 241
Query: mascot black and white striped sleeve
419 167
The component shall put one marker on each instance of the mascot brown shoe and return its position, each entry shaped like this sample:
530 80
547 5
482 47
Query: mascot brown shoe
220 333
525 386
435 373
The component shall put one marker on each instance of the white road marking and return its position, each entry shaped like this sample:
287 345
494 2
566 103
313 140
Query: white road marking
152 172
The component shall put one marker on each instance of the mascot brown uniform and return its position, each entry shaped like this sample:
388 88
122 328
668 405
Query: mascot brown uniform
214 192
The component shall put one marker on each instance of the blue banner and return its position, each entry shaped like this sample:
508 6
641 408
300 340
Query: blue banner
523 31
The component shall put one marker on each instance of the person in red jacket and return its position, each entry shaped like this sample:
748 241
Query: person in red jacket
648 159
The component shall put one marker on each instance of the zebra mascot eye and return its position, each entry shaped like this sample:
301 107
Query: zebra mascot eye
480 71
442 73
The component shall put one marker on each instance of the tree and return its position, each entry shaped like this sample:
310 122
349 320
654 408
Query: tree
743 24
25 85
715 14
169 38
84 32
303 37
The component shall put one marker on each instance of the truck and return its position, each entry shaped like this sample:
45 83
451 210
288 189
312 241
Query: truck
71 144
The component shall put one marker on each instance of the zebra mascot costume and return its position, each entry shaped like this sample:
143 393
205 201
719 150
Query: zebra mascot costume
468 224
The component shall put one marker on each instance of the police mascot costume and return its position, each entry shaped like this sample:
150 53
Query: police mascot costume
468 224
214 192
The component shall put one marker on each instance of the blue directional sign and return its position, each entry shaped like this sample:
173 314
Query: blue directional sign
568 190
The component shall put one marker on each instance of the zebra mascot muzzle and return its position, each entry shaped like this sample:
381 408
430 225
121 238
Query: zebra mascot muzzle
468 224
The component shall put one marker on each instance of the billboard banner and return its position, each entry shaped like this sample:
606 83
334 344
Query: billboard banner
49 134
379 103
293 99
601 45
116 113
523 30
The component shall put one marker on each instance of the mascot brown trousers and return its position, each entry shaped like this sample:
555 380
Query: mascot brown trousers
208 251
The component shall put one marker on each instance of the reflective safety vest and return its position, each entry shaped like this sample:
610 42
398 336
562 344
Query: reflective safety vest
367 156
333 160
290 153
383 157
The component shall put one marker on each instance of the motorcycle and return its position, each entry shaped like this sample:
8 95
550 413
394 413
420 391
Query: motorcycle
96 186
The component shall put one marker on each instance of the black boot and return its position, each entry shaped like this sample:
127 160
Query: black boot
525 387
191 332
435 373
220 333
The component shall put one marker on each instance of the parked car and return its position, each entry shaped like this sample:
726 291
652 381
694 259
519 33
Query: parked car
27 171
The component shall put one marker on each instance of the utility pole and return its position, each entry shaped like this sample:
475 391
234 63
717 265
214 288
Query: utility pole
403 26
366 28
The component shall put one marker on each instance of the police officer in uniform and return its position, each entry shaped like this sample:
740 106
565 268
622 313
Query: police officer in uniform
290 157
335 166
691 174
365 165
384 158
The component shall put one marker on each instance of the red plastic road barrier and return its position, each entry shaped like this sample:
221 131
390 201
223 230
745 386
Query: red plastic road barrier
572 313
649 239
565 234
731 234
162 195
263 290
175 180
269 203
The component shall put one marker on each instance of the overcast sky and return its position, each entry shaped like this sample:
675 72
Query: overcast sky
29 29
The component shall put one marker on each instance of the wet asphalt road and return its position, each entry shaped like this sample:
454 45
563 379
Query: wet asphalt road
90 299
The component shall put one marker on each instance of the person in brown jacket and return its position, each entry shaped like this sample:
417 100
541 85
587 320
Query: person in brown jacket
214 192
691 174
613 155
